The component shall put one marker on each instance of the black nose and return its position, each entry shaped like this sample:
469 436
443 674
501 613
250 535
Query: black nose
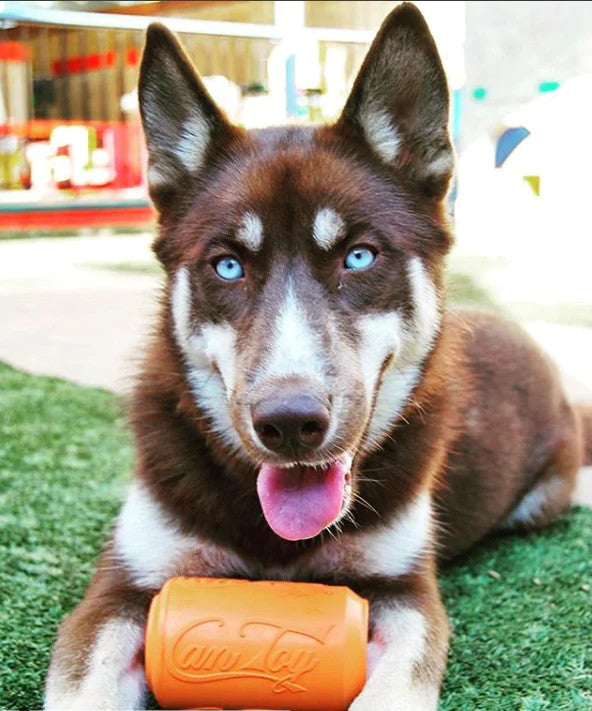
290 422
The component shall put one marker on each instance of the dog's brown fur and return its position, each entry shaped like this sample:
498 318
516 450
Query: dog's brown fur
486 425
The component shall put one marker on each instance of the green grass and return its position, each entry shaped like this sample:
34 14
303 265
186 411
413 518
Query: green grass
64 460
521 612
522 634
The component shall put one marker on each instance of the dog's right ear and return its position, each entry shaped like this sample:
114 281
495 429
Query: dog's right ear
399 103
182 124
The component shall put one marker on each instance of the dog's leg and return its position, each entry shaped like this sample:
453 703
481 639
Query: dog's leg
97 662
552 492
407 652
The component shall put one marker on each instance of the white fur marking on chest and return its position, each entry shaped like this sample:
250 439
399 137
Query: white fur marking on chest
250 232
381 134
391 550
210 356
111 679
328 227
294 349
153 548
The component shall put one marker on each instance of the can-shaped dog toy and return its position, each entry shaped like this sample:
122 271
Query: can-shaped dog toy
236 644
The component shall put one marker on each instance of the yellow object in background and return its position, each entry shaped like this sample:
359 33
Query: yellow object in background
535 183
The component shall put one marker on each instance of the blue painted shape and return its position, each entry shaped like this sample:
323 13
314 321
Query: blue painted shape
457 109
291 91
507 142
546 86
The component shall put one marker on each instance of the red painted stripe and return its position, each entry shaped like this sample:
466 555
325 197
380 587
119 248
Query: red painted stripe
87 63
42 128
66 219
92 62
132 56
14 52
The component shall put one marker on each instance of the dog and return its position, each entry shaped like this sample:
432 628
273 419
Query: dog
308 409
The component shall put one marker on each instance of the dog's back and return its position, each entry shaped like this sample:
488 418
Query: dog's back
519 448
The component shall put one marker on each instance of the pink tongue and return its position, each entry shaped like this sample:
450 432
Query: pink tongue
300 502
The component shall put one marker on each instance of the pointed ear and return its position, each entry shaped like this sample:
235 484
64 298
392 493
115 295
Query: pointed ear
182 124
399 103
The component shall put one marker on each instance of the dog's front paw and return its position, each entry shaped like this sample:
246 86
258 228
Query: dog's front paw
371 702
127 693
386 690
373 699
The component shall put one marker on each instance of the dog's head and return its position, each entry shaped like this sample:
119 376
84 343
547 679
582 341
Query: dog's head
303 264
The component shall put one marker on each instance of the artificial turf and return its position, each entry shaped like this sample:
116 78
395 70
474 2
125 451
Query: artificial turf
521 607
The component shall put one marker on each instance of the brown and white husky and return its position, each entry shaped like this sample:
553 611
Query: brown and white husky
308 409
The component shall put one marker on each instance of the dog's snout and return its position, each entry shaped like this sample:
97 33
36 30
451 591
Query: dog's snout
289 422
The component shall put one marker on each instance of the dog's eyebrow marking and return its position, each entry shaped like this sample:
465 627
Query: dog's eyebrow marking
250 233
327 228
381 134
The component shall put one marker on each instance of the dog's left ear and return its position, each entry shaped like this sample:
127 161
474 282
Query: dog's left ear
399 103
184 128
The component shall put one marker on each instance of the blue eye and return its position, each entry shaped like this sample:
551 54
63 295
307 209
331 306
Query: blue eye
359 258
229 268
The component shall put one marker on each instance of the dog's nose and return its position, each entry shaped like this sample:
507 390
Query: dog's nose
288 422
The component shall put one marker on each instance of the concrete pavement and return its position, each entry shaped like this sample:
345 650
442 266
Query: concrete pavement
64 314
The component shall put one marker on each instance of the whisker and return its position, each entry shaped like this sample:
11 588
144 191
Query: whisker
365 503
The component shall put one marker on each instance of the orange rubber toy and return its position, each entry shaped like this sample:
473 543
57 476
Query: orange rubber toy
235 644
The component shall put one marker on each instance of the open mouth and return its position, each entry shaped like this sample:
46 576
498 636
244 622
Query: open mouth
299 501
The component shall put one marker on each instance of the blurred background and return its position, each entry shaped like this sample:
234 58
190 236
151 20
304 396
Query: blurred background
78 283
